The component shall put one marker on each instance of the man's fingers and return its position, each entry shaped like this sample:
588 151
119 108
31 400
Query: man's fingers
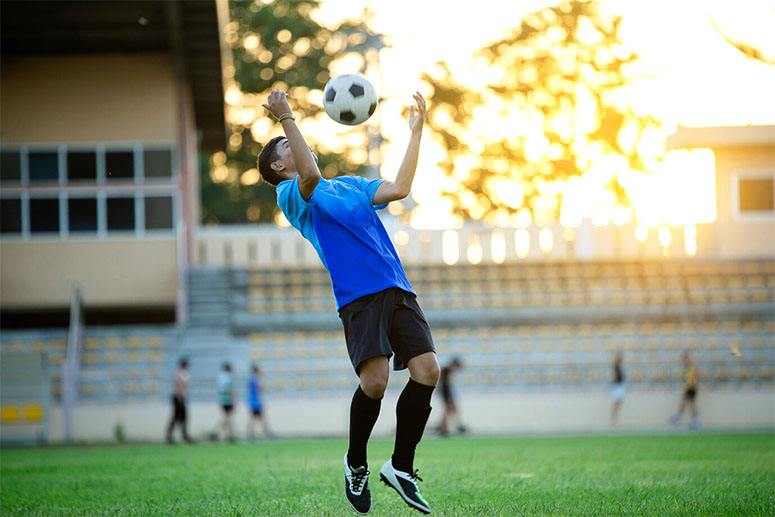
266 106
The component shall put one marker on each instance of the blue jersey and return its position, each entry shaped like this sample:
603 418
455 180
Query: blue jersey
341 223
254 394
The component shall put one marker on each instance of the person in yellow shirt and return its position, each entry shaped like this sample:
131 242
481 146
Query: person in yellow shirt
690 393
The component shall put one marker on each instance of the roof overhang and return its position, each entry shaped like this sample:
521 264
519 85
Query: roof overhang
716 137
190 30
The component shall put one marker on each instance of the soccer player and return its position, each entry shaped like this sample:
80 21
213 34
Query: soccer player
618 388
690 394
226 398
376 303
255 405
180 392
448 394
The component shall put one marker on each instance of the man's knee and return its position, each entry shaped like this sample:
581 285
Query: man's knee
425 369
373 385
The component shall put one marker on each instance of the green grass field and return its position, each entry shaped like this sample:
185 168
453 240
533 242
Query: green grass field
701 474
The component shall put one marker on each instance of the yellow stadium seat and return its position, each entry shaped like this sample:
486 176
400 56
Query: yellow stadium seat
33 412
113 342
156 357
9 414
134 342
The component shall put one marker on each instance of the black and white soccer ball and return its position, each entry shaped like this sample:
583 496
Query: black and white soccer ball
349 99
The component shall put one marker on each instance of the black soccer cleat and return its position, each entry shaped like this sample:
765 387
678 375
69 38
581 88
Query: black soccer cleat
356 487
405 484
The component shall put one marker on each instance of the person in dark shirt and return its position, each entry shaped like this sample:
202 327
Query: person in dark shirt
447 393
618 387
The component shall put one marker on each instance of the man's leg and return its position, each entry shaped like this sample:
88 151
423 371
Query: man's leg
414 408
184 421
173 420
364 409
412 412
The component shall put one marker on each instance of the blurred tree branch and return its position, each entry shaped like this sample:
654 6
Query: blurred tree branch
553 109
275 45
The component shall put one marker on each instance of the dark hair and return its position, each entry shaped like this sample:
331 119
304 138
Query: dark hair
266 158
227 367
254 368
183 363
457 362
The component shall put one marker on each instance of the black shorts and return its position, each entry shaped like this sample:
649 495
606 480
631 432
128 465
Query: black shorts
178 409
385 323
227 408
690 393
256 411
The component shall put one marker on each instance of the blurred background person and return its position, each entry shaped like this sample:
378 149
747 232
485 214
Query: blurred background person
179 396
256 405
448 395
618 387
226 398
690 393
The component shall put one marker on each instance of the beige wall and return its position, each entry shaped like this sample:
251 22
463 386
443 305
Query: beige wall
736 237
485 413
110 272
88 99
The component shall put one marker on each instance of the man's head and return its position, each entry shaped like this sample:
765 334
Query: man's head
254 369
183 363
226 367
456 363
275 162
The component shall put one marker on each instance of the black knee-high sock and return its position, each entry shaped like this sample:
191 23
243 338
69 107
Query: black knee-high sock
412 412
363 415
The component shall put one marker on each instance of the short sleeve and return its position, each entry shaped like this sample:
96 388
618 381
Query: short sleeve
369 187
293 205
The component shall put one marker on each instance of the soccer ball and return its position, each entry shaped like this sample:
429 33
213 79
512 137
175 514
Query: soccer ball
349 99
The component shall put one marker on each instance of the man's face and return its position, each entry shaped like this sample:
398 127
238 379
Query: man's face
285 159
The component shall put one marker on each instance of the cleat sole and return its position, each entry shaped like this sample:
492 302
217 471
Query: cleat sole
409 503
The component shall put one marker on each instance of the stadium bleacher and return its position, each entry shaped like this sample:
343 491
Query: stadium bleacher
121 363
517 327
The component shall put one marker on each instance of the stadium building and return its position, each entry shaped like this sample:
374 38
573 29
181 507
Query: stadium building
105 111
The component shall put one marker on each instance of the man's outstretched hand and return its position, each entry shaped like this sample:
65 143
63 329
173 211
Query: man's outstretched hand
417 118
277 103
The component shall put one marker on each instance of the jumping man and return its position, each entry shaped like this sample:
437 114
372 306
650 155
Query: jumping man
376 303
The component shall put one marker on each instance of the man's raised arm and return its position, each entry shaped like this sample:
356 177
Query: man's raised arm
309 174
400 188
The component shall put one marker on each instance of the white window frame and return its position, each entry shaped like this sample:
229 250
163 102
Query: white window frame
736 176
82 195
136 188
155 192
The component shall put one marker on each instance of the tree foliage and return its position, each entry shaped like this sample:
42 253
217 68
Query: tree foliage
550 109
275 44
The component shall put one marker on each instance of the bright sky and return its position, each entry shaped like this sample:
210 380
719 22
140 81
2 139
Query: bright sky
691 77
